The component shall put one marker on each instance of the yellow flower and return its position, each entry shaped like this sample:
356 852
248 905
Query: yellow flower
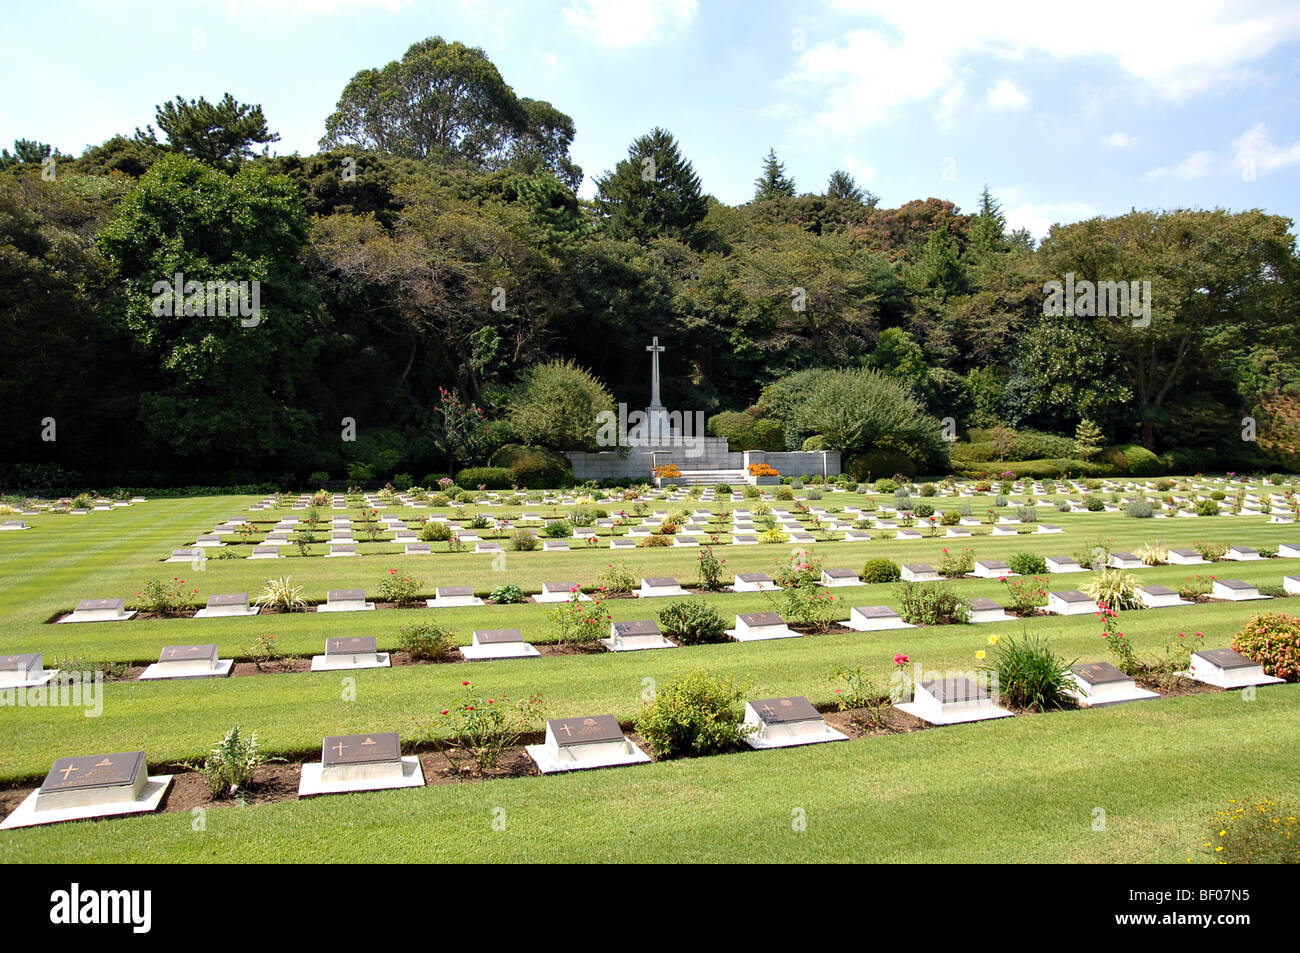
979 654
993 639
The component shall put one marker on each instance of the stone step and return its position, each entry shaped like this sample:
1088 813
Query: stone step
709 477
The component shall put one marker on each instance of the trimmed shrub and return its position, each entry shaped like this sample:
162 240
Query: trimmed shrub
1140 509
1133 459
533 468
523 541
745 432
930 603
492 478
879 463
880 569
1273 640
1207 508
507 594
435 532
699 713
425 641
1027 564
693 622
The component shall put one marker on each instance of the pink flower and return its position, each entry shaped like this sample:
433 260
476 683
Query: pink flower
901 659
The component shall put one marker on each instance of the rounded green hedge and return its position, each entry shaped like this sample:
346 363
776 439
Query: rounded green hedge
534 468
878 463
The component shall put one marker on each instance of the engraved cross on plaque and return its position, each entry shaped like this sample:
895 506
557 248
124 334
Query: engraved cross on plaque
340 748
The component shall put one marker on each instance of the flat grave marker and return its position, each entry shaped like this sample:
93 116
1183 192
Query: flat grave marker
99 610
761 626
875 619
498 644
226 605
453 597
366 762
346 600
636 635
951 700
1098 684
350 652
87 786
574 744
24 671
785 723
1228 668
188 661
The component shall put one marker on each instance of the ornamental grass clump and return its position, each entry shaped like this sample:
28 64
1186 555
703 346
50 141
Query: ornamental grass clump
1030 676
1116 588
281 594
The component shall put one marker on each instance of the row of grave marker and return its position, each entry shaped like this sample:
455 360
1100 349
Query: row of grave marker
84 787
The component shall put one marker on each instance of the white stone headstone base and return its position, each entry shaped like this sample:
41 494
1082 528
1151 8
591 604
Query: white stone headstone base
346 607
638 643
26 815
159 671
312 783
553 760
560 597
325 663
1115 693
226 613
764 632
499 650
1230 678
42 679
455 602
952 714
97 615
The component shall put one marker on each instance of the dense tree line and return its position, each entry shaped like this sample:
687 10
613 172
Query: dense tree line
430 275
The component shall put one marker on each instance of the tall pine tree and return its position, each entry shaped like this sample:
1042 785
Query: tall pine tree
773 183
653 192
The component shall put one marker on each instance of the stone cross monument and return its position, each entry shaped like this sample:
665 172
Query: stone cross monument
660 426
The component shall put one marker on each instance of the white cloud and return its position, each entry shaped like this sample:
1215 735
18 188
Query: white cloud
1196 166
1255 147
900 58
1118 140
624 23
861 172
950 103
1007 95
1039 218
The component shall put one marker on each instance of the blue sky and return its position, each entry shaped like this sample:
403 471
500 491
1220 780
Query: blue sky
1065 110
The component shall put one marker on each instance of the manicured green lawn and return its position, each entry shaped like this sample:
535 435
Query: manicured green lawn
1021 789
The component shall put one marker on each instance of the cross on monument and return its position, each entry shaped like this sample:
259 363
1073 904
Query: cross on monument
655 349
